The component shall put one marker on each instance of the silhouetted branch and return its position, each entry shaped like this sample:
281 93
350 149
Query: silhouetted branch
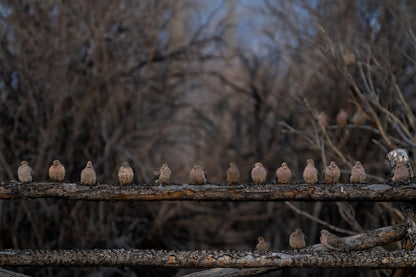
247 192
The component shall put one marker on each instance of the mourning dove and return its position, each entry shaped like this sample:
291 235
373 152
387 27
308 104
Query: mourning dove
332 173
198 175
358 118
297 239
331 242
88 176
57 171
323 120
349 58
401 172
397 155
283 174
24 172
342 118
262 245
357 173
125 174
258 173
233 174
310 174
162 175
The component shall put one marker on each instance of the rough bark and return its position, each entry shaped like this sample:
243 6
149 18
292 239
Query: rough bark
208 259
269 192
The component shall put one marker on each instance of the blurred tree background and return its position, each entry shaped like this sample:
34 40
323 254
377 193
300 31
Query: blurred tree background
199 82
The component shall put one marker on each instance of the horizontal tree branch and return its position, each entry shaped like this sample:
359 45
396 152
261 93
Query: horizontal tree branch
207 258
312 256
248 192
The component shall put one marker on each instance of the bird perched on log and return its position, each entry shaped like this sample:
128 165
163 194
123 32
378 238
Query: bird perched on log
258 173
358 118
332 242
125 174
283 174
323 120
262 245
310 174
401 172
342 118
88 176
57 171
233 174
25 172
297 239
198 175
357 173
162 175
332 173
399 155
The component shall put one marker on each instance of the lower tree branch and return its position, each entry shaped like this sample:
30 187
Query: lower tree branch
208 259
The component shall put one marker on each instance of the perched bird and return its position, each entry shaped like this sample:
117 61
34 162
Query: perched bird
283 174
24 172
198 175
162 175
57 171
310 174
357 173
297 239
358 118
258 173
323 120
401 172
262 245
233 174
331 242
125 174
88 176
349 58
342 118
397 155
332 173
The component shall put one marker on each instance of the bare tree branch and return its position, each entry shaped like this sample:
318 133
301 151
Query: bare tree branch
209 192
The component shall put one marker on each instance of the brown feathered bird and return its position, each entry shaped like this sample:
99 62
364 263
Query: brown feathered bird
57 171
401 172
332 173
162 175
262 245
233 174
198 175
342 118
258 173
322 120
358 118
283 174
88 176
331 242
297 239
357 173
310 174
125 174
25 172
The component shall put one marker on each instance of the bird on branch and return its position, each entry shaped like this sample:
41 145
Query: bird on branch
332 242
332 173
297 239
57 171
233 174
25 172
283 174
